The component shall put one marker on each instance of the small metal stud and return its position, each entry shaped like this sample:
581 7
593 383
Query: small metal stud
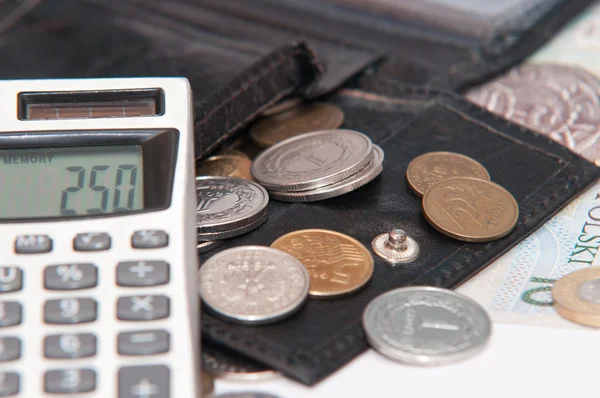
395 247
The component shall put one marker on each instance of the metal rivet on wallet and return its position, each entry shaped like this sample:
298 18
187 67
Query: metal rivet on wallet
395 247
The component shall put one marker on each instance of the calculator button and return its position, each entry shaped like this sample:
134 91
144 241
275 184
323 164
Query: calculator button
10 313
70 276
10 383
142 273
142 308
149 239
80 345
70 310
91 241
31 244
144 382
10 349
143 342
69 381
11 279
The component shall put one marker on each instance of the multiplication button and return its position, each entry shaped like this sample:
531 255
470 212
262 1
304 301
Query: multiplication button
11 279
142 273
143 342
10 313
70 276
81 345
69 381
143 308
70 310
144 382
10 384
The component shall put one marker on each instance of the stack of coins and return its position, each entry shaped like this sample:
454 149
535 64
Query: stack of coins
227 207
459 200
318 165
577 296
227 163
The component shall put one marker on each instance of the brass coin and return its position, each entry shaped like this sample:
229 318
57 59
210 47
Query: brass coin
282 106
299 120
207 384
470 209
577 296
428 169
232 152
337 264
225 166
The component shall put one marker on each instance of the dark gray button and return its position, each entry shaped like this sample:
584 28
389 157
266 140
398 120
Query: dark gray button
10 384
149 239
143 342
142 273
144 382
11 279
10 349
69 381
142 308
31 244
91 241
81 345
10 313
70 310
70 276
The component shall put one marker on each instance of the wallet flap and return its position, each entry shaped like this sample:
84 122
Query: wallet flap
406 122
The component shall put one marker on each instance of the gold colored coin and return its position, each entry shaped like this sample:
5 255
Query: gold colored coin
337 264
577 296
299 120
282 106
470 209
225 166
428 169
232 152
207 384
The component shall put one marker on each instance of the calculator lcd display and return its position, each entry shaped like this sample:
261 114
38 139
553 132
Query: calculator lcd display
70 181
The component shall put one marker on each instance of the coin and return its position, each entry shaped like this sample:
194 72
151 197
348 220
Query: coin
337 264
208 385
253 284
430 168
247 394
281 106
230 233
299 120
577 296
225 166
226 203
312 160
559 101
426 325
362 177
207 246
220 362
470 210
232 152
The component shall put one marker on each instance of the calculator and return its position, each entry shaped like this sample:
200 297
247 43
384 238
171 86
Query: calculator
98 255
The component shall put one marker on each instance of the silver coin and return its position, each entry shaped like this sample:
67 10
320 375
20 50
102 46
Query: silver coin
247 394
223 364
253 284
208 236
226 203
361 178
312 160
426 325
207 246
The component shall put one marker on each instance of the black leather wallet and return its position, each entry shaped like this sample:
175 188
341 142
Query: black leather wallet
405 121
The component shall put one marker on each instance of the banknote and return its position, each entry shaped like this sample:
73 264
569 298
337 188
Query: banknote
556 92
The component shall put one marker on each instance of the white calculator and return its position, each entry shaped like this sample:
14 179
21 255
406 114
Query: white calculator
98 255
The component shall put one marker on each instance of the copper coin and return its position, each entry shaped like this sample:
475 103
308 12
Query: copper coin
559 101
337 264
428 169
281 106
232 152
577 296
470 209
225 166
207 384
299 120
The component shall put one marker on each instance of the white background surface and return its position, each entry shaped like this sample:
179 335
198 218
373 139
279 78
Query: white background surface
520 361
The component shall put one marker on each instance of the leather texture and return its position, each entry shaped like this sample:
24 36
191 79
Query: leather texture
405 121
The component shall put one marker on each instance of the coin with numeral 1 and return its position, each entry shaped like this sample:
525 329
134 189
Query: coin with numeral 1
470 210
